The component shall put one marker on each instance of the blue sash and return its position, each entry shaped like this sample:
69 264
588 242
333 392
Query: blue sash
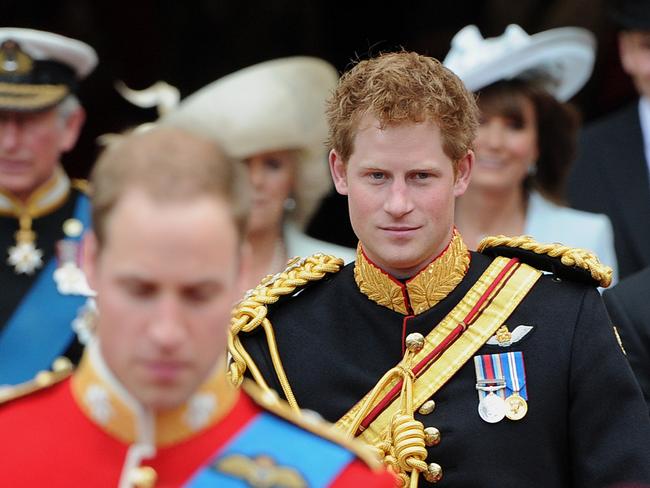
40 329
317 461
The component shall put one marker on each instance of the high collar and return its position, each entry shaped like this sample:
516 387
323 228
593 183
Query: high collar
107 404
420 292
46 198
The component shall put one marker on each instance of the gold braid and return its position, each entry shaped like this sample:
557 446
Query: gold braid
569 256
251 312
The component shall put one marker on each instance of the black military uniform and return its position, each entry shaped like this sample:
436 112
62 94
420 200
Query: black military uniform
586 424
629 308
42 216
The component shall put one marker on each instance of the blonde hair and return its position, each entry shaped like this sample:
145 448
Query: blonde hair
168 164
402 87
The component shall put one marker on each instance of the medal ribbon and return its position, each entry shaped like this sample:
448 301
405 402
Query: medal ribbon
515 374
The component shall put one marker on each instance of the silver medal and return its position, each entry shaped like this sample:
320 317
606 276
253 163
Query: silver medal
492 408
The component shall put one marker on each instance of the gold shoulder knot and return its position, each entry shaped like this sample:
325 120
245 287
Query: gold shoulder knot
251 312
61 369
309 421
570 257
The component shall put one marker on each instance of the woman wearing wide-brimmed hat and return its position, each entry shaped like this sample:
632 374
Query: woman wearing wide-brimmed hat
271 116
527 137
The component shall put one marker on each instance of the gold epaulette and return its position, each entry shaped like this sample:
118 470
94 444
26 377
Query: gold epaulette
270 401
570 262
61 369
251 312
82 185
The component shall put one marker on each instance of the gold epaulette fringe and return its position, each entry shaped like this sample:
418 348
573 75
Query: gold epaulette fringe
569 256
61 369
251 312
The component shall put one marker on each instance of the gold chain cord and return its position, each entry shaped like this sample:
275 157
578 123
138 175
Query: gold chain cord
251 312
569 256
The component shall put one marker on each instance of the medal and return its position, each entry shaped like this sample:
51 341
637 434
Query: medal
513 368
492 408
24 256
516 407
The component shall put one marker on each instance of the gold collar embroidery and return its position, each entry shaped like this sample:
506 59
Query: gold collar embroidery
421 292
108 405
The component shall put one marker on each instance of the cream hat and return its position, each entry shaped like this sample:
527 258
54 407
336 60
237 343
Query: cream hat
561 59
38 69
274 105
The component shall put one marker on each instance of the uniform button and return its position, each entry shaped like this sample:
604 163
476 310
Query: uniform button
427 407
433 474
143 477
73 228
431 436
414 342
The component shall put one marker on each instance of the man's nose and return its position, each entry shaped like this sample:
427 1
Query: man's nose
398 201
168 328
10 132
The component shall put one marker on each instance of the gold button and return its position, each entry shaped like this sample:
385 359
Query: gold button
143 477
427 407
414 342
73 227
431 436
433 474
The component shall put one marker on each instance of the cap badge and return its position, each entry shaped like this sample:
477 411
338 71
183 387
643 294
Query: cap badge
13 60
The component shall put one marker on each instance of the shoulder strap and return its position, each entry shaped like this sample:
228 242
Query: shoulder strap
567 262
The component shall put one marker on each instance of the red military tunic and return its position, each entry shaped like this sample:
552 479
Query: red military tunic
88 431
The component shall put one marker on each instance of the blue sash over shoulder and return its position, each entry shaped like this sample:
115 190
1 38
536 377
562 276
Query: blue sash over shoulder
40 329
269 449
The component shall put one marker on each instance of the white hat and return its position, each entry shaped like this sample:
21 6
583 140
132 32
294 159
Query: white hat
274 105
38 69
562 59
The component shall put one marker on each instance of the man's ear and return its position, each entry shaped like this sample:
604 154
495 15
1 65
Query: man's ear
463 173
89 257
71 129
338 168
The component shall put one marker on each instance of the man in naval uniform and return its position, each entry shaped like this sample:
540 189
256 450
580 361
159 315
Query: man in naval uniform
149 404
42 213
466 369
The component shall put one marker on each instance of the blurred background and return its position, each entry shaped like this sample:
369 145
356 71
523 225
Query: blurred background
190 43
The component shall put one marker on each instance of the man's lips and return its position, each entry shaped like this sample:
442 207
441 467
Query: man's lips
13 165
399 230
164 370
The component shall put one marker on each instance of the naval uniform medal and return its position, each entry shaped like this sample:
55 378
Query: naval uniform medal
24 256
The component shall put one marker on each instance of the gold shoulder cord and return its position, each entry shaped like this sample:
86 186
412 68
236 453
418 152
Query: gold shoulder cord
569 256
404 447
251 312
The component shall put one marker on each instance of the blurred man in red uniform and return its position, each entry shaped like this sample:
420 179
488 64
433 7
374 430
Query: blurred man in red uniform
149 404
